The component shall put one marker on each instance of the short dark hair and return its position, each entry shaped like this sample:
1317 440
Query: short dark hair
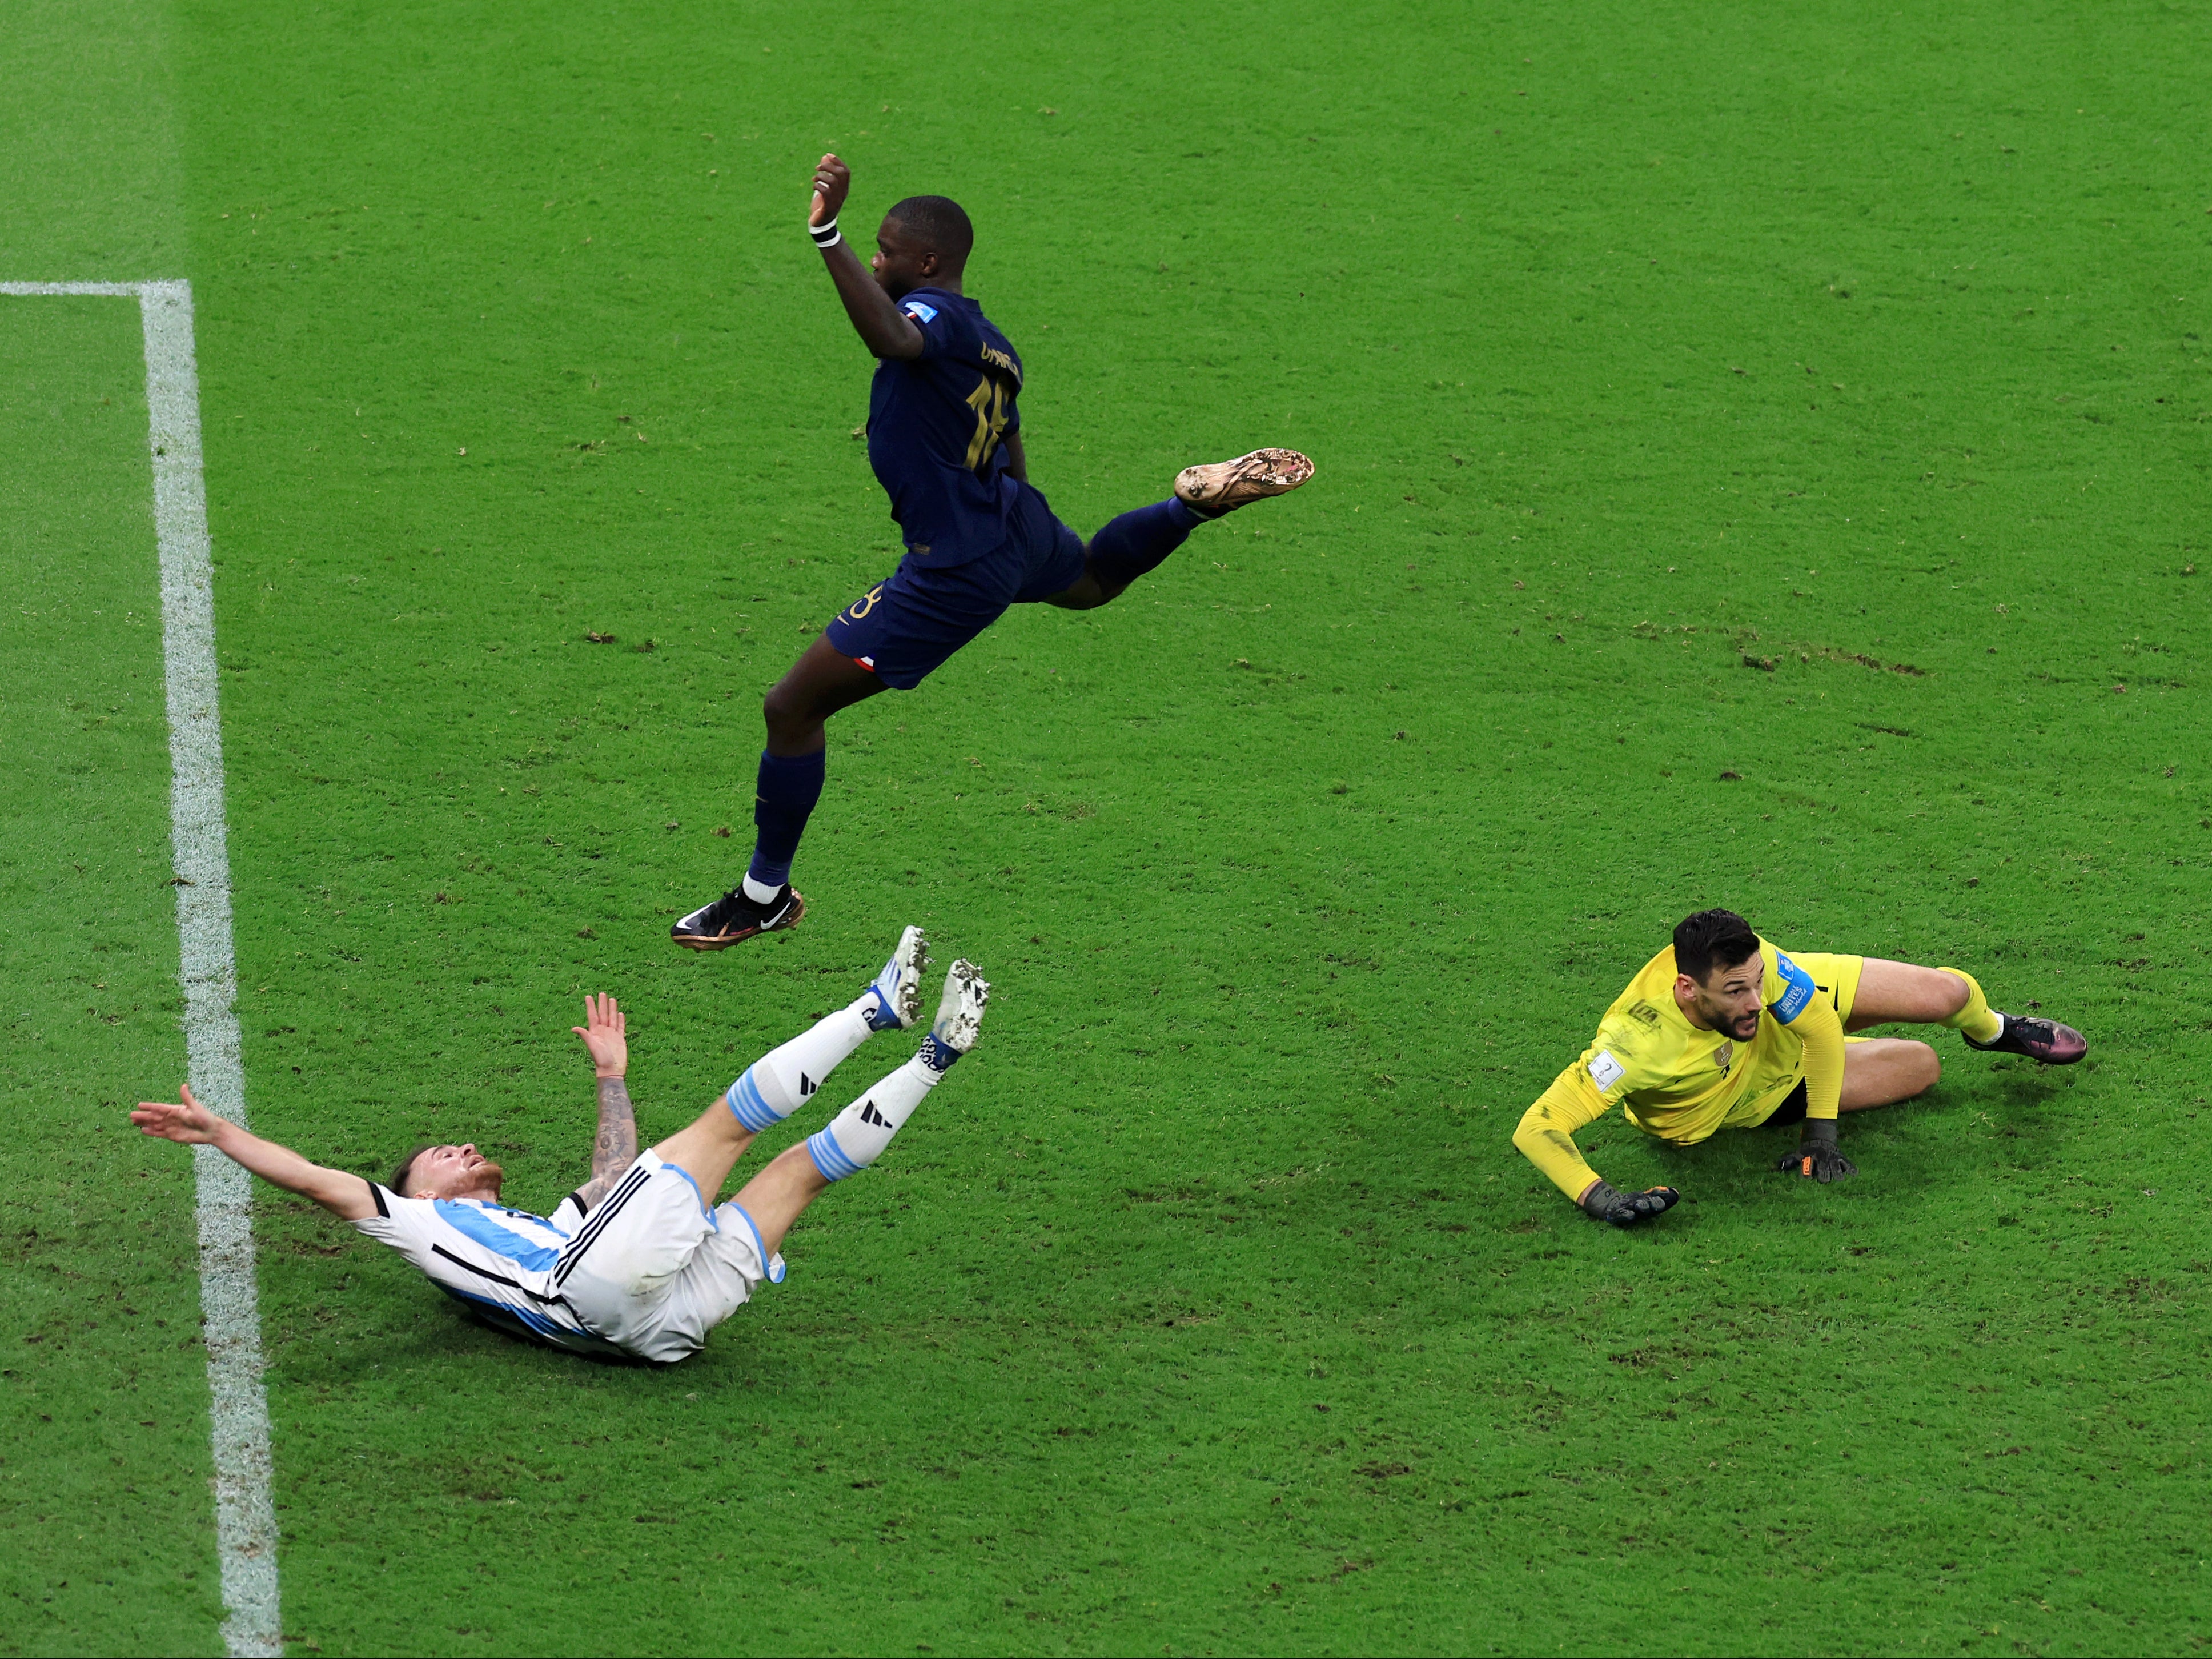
941 221
1709 939
398 1182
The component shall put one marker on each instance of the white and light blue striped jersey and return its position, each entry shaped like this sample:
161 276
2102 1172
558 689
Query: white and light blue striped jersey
499 1262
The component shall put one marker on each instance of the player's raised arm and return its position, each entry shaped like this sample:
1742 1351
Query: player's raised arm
1546 1140
876 317
614 1148
191 1124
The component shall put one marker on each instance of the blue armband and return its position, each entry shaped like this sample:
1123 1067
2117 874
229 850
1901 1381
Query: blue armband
1797 990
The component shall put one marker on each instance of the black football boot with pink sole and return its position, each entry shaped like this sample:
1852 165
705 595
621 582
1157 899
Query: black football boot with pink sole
2043 1041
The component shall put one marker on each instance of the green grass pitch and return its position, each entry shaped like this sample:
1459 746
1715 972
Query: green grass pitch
1762 460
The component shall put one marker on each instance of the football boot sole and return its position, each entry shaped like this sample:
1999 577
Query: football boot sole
1224 486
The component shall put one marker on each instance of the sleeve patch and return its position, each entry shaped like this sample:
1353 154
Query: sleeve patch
918 312
1605 1070
1797 990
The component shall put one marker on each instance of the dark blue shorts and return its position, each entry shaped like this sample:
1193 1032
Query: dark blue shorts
903 628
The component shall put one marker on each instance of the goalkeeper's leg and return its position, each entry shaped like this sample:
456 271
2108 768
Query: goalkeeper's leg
1882 1071
1905 992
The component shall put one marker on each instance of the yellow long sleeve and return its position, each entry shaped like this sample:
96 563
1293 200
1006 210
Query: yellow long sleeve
1546 1134
1822 1031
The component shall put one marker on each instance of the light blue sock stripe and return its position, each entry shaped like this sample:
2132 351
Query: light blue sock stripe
830 1157
746 1105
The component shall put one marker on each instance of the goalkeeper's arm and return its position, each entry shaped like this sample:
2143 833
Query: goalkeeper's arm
1546 1140
1818 1155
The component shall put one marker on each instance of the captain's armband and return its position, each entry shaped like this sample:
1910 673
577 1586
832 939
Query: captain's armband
1797 990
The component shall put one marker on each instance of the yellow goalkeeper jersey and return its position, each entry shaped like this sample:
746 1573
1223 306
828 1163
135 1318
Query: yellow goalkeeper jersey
1672 1080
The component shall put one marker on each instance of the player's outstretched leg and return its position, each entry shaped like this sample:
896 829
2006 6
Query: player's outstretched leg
1224 486
781 1082
1140 541
789 783
1902 992
857 1136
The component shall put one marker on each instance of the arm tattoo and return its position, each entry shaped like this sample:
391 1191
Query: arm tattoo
615 1148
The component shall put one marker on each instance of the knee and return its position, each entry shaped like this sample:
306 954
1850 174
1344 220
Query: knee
1087 592
1955 994
785 710
1921 1070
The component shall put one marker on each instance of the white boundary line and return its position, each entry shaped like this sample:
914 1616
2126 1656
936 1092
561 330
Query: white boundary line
245 1514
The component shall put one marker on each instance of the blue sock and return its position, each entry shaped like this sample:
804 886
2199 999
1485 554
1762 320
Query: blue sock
1137 542
784 798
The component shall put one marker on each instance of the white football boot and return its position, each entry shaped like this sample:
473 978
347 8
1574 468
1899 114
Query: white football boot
898 989
960 1013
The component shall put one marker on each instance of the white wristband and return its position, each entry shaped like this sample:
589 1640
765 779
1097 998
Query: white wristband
825 236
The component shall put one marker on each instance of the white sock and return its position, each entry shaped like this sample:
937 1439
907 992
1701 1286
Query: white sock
779 1083
856 1137
756 892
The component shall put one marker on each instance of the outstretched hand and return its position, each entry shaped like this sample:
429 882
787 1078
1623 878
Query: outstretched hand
832 180
1609 1203
604 1035
190 1124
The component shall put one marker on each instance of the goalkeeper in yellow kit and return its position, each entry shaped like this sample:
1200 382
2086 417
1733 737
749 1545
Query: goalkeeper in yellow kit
1723 1030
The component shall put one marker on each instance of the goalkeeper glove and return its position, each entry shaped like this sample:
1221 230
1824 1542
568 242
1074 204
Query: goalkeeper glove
1817 1154
1626 1209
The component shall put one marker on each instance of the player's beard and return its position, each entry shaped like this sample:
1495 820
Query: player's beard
1737 1030
486 1177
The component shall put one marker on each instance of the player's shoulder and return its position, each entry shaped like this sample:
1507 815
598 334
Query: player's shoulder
942 314
993 336
392 1210
1788 990
1628 1055
569 1215
1652 985
1638 1037
1631 1043
926 305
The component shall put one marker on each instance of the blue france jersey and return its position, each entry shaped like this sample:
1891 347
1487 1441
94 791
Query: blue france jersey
497 1261
935 427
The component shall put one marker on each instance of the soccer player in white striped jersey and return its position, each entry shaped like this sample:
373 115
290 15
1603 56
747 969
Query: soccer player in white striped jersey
643 1259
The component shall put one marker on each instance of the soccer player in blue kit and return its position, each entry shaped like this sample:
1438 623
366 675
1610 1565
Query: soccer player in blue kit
944 438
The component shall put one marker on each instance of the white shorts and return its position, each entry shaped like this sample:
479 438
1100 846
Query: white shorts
652 1270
